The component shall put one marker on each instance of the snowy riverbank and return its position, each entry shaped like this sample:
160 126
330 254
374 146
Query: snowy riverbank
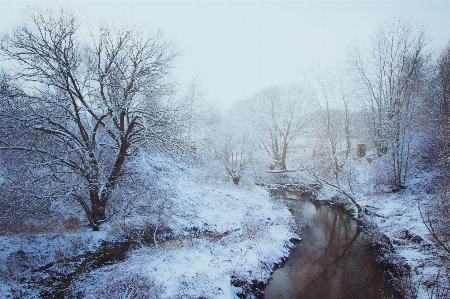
208 235
396 215
247 234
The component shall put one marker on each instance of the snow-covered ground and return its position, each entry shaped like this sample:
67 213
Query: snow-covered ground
20 254
208 235
247 233
397 215
212 238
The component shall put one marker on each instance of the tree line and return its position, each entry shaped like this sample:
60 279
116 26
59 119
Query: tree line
75 111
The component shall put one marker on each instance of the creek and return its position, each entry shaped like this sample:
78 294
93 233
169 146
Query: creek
331 261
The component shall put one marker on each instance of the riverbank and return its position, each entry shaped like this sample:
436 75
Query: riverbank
255 235
396 232
209 239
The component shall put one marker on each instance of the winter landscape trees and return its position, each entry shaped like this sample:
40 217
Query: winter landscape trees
79 109
90 119
76 111
280 116
390 77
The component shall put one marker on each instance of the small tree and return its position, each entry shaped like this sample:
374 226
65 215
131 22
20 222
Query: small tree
232 145
235 153
437 220
279 117
78 110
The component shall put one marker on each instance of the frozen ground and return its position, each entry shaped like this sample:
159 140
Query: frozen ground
208 235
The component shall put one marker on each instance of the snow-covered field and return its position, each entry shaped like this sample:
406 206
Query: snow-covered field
219 234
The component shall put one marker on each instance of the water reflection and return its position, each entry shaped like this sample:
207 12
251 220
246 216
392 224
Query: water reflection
330 261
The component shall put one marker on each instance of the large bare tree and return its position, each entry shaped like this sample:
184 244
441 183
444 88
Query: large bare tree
80 109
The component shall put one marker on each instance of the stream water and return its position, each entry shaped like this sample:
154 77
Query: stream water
331 260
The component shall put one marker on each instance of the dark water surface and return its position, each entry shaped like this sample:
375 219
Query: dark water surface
331 261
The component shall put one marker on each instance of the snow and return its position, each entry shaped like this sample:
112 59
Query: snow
247 234
201 268
397 215
219 233
213 237
20 254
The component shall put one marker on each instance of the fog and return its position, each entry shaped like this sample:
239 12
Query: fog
236 48
104 138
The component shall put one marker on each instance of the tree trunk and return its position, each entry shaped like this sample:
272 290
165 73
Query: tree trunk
283 156
97 211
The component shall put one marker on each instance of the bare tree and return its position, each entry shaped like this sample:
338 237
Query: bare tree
79 110
389 80
330 163
279 118
444 80
231 143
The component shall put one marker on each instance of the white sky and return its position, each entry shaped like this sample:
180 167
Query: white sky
236 48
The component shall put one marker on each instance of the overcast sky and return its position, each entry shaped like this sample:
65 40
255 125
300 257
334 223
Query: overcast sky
235 48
